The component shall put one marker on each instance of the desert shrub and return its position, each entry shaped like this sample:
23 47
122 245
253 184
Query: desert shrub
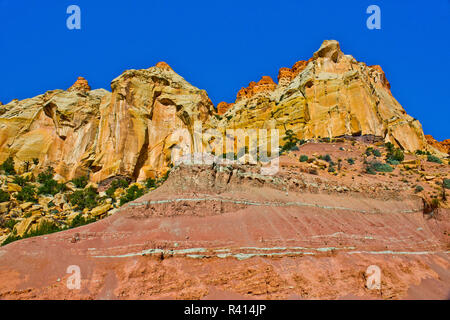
351 161
35 161
420 152
431 158
27 194
446 183
48 184
79 221
8 166
4 196
331 169
21 181
80 182
116 184
303 158
389 146
51 187
396 154
375 166
131 194
418 189
150 183
86 198
8 223
291 141
376 153
392 162
368 151
327 158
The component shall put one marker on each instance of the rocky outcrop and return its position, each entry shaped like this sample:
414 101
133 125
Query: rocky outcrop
223 107
329 95
443 146
58 128
136 124
81 85
130 131
126 132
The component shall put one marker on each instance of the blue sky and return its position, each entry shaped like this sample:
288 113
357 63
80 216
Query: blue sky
221 46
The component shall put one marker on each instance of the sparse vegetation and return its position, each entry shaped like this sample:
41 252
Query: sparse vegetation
80 182
4 196
27 194
420 152
376 166
431 158
116 184
303 158
291 141
418 189
8 166
79 221
131 194
86 198
351 161
446 183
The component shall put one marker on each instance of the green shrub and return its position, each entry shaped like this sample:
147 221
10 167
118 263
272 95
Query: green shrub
368 151
376 153
431 158
8 166
46 175
86 198
389 146
395 154
392 162
27 194
291 141
35 161
375 166
131 194
351 161
9 223
80 182
20 180
331 169
150 183
51 187
303 158
79 221
423 152
116 184
418 189
4 196
446 183
327 158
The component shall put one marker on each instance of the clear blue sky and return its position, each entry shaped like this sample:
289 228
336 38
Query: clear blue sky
221 46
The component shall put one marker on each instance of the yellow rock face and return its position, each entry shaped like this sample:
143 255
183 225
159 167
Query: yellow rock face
97 211
131 130
333 96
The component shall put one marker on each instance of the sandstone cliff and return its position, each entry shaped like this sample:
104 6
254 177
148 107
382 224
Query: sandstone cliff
330 95
130 130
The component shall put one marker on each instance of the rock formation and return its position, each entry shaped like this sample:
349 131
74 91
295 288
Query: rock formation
130 130
330 95
443 146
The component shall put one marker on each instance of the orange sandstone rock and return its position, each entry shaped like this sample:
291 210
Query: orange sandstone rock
443 146
80 85
266 84
163 65
223 107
